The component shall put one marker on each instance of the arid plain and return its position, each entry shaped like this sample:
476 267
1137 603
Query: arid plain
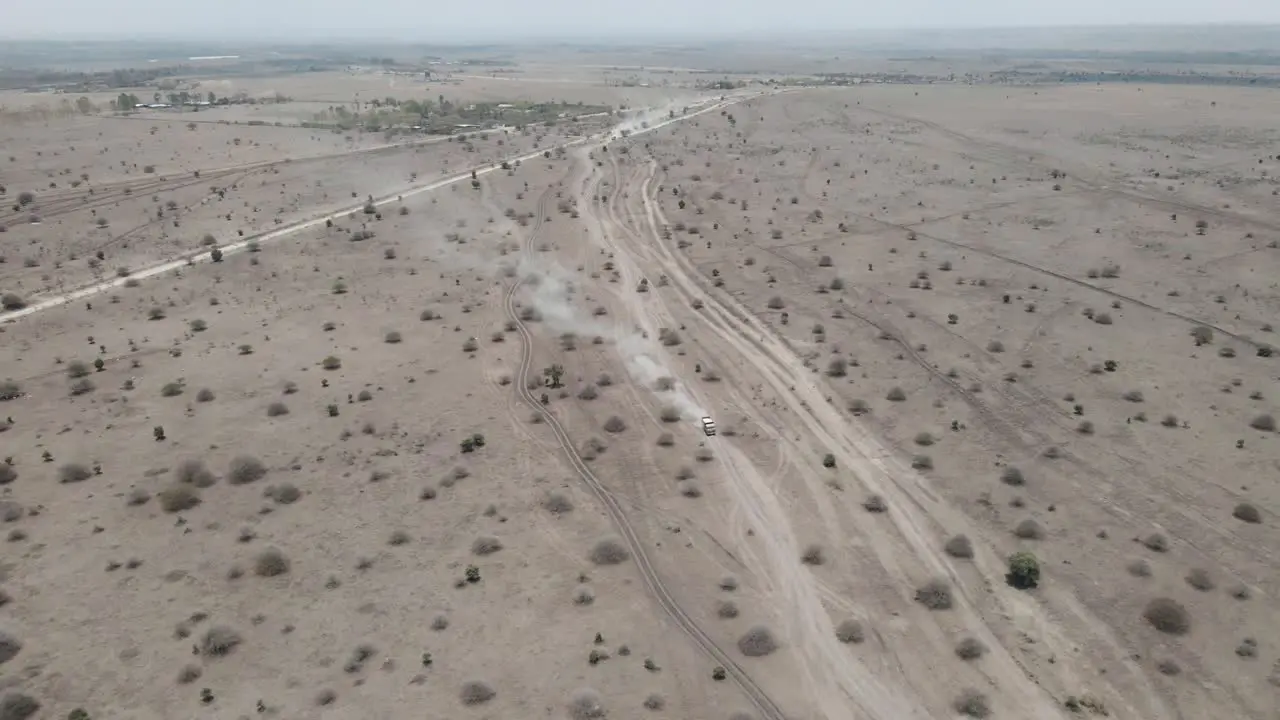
372 436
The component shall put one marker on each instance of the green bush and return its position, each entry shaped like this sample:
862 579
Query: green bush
1024 570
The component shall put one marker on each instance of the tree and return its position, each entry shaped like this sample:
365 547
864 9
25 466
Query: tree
84 105
1024 570
215 255
212 98
554 373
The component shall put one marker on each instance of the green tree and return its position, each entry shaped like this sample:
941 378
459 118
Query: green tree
554 374
1024 570
212 98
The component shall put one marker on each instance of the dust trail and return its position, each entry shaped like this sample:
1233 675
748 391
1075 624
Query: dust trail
641 353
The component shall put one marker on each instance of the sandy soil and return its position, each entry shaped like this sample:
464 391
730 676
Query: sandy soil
775 570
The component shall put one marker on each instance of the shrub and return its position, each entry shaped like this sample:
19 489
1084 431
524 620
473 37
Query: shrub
1200 579
172 389
922 462
583 596
959 546
896 394
73 473
1024 570
77 369
776 303
331 363
614 424
7 474
10 646
270 563
588 392
205 395
970 649
654 702
193 472
668 414
586 705
486 545
178 497
276 409
18 706
995 346
608 552
12 301
1029 530
812 555
666 440
10 390
828 460
219 641
726 609
973 704
427 314
1202 334
476 692
1168 616
838 367
284 493
1156 542
757 642
1139 568
556 503
82 386
1012 476
874 504
245 469
1133 396
605 380
935 595
1265 423
1244 512
850 632
690 489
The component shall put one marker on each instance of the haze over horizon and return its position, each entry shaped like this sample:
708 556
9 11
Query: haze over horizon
570 19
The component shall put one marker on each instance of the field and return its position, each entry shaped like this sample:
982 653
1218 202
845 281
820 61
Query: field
323 424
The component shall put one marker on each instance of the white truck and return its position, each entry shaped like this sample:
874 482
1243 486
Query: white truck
708 426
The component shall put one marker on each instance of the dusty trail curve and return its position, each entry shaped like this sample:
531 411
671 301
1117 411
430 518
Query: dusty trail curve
653 583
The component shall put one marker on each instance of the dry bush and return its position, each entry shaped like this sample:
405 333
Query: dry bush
654 702
614 424
896 394
586 705
588 392
608 552
935 595
219 641
18 706
178 497
1167 616
245 469
583 596
10 646
726 609
1264 422
838 367
1139 568
1156 542
1244 512
476 692
193 472
276 409
995 346
172 389
690 489
73 473
959 546
1200 579
728 583
970 649
669 414
1029 530
486 545
284 493
776 303
812 555
1169 668
757 642
669 337
1012 476
189 674
138 496
666 440
557 503
270 563
7 474
850 632
204 395
922 462
972 703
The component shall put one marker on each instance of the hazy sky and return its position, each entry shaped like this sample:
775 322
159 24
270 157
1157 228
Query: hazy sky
434 20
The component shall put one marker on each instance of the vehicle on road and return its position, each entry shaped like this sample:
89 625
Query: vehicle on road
708 426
